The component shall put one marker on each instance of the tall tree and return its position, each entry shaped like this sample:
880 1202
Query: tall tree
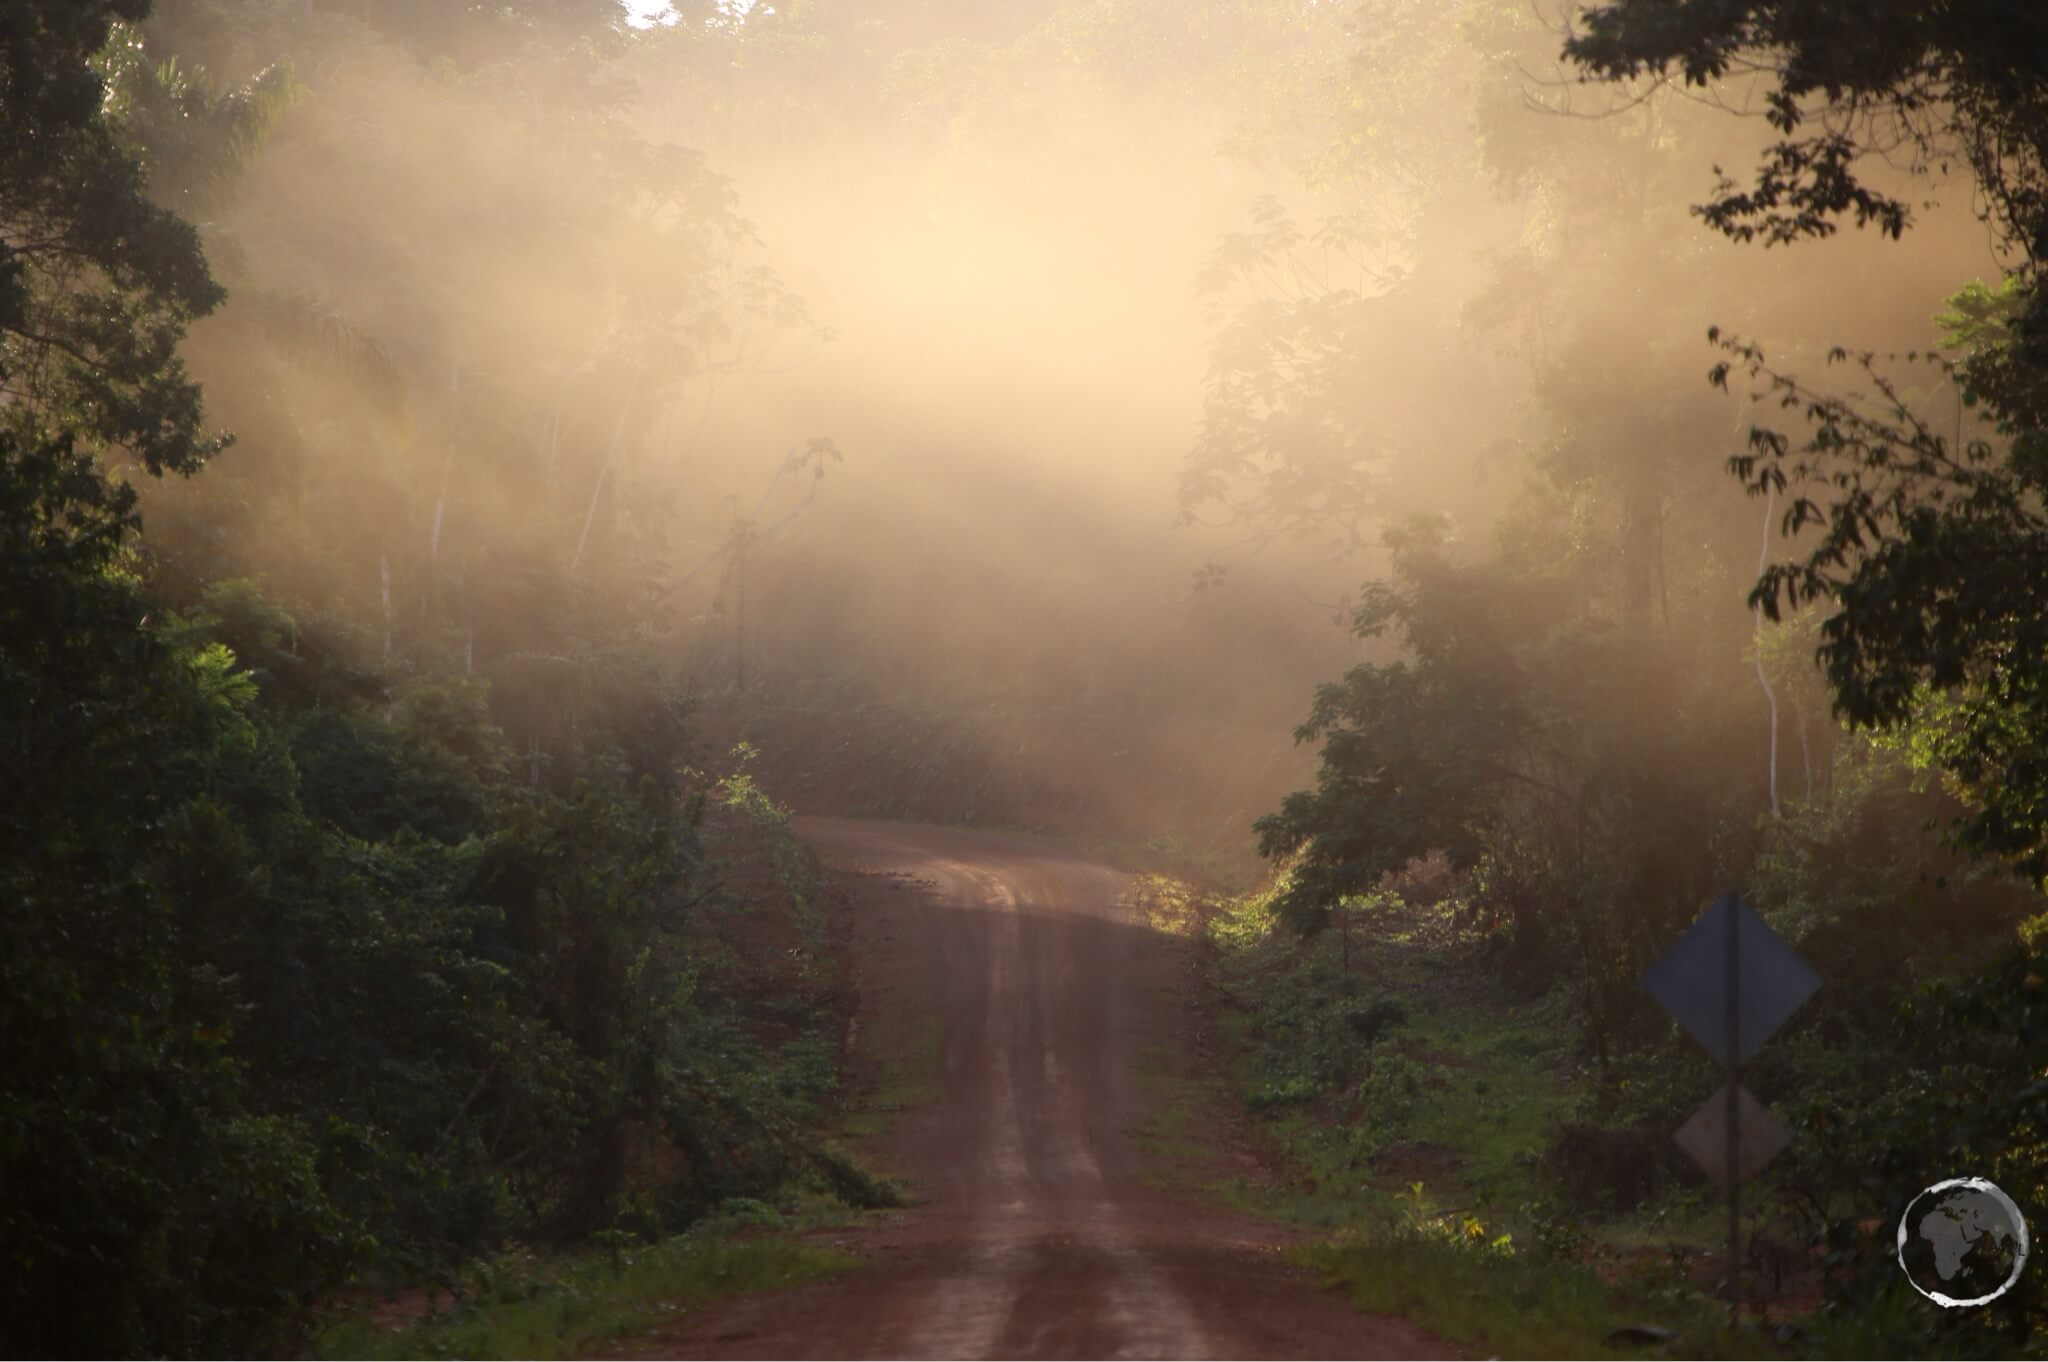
97 282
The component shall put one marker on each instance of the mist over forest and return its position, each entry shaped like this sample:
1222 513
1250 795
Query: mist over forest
1434 494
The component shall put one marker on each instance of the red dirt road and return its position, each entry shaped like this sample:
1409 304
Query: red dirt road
1036 1232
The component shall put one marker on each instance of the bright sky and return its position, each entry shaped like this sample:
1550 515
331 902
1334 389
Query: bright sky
643 13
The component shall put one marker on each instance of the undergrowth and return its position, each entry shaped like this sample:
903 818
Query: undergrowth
1482 1293
899 1066
520 1305
1415 1112
1454 1141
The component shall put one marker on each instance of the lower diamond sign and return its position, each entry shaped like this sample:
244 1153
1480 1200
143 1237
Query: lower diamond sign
1760 1136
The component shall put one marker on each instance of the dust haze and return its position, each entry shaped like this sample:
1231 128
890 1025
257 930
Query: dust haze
987 253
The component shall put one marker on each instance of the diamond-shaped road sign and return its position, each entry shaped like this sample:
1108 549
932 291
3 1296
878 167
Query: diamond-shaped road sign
1731 981
1760 1136
1691 981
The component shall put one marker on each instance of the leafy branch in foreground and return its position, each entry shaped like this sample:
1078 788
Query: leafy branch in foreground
1891 80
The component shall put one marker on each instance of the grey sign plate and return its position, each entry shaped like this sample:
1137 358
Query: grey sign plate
1760 1136
1691 981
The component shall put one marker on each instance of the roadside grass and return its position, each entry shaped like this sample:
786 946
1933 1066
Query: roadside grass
1410 1106
1394 1067
1501 1084
1165 904
524 1306
1180 1152
1513 1304
898 1063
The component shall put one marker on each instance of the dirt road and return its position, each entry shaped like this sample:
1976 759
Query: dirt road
1037 1232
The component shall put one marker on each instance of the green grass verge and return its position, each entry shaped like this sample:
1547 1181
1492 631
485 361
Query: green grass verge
1408 1104
899 1064
1500 1084
523 1307
1178 1145
1507 1304
1392 1069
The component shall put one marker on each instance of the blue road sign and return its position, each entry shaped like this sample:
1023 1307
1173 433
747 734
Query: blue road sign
1691 981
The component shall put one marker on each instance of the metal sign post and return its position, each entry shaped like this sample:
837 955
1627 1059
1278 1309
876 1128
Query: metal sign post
1731 981
1734 1143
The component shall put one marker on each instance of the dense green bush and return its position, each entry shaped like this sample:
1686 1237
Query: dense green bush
308 971
298 984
